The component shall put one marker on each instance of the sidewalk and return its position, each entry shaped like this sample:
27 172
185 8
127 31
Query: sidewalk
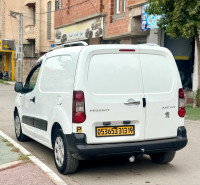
18 166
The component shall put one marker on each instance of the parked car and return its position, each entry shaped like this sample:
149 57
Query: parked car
91 102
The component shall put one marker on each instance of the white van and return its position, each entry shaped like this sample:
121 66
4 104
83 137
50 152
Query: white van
90 102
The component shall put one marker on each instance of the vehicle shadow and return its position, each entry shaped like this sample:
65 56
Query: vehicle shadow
112 171
119 171
115 164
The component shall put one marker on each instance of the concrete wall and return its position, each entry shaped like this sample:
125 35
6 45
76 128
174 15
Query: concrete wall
195 79
9 24
44 43
34 27
0 17
94 41
27 66
156 36
126 41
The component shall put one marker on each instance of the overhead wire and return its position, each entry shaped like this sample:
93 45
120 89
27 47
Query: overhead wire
24 31
35 19
94 7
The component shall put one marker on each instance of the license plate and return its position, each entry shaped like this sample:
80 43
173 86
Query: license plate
115 131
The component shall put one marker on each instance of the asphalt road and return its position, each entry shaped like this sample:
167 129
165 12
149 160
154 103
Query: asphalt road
183 170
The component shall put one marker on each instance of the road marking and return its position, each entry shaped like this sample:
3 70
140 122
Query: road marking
9 165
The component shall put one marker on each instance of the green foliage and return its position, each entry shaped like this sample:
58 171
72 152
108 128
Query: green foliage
179 17
4 140
197 97
192 113
2 82
24 158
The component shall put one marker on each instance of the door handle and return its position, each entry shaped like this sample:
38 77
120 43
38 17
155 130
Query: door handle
33 99
132 102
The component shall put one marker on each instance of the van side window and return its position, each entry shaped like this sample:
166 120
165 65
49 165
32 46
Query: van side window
58 74
32 79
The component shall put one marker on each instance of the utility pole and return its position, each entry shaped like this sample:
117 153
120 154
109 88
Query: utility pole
20 45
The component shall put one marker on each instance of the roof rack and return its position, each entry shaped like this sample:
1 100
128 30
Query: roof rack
150 44
69 44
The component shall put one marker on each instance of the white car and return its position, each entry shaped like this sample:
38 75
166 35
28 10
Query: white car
90 102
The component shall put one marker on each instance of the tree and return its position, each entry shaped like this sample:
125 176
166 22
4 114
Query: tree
179 18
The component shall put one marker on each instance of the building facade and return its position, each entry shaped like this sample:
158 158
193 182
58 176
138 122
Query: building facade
38 31
79 20
98 21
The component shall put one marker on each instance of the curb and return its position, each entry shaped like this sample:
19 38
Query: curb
191 121
11 83
53 176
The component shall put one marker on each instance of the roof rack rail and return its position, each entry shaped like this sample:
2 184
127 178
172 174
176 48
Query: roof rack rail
70 44
150 44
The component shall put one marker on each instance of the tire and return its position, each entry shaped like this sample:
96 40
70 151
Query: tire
163 158
64 161
18 129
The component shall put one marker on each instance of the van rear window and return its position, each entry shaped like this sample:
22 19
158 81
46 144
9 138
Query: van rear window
158 75
115 74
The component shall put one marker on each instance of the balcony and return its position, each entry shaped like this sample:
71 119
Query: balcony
30 32
135 11
136 2
30 3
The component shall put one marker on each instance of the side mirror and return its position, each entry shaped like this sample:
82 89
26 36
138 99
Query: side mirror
19 87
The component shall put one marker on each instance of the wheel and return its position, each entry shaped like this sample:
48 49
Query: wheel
163 158
64 161
18 129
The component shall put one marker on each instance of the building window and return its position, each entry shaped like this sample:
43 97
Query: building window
58 4
29 50
49 20
117 6
124 6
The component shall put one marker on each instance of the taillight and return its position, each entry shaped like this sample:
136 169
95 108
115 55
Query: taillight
78 114
181 106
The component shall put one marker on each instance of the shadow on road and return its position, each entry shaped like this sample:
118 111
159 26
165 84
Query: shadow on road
122 165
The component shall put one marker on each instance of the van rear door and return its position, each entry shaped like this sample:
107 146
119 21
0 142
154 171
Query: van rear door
161 84
114 97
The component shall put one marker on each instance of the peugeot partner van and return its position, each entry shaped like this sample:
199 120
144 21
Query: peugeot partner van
97 101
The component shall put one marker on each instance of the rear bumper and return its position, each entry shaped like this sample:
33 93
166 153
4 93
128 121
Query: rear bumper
82 151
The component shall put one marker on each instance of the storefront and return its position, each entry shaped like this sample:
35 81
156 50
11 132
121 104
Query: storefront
183 52
90 31
7 62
